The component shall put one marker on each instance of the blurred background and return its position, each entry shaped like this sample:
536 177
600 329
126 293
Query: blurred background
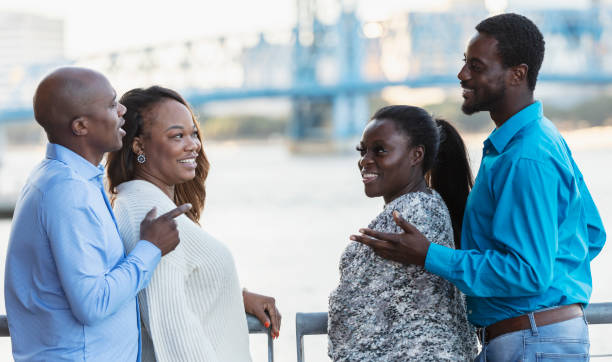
282 89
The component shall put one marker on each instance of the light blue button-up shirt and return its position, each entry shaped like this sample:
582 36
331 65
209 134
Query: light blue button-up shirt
530 228
70 290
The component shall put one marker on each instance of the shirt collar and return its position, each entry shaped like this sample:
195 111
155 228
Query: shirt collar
500 137
75 161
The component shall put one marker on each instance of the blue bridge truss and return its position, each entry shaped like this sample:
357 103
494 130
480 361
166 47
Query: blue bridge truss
328 70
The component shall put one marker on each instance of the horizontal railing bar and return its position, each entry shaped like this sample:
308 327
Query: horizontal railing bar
599 313
312 323
316 323
255 326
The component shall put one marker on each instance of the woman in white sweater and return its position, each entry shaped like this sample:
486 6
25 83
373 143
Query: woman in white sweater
193 308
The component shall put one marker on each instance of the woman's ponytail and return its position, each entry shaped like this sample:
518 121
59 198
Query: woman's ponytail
451 175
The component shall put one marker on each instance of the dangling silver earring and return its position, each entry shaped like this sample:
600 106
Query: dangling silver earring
141 158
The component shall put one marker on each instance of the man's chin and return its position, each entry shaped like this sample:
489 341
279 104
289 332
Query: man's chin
469 109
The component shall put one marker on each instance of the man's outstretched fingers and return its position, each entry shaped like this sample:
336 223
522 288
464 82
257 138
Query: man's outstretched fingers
151 214
401 222
366 240
390 237
359 239
177 211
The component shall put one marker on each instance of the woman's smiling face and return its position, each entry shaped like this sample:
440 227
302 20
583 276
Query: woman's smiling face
387 162
170 143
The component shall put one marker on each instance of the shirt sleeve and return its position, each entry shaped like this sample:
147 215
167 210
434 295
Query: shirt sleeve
176 330
80 250
523 232
595 228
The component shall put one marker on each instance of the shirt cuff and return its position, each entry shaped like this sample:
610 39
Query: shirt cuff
439 260
148 253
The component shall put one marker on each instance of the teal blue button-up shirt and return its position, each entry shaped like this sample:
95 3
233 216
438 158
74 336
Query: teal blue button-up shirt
70 290
530 228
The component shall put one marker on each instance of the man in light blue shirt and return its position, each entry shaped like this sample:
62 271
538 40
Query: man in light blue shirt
70 289
530 228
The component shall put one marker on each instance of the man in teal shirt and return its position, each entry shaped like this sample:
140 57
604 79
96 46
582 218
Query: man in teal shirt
530 228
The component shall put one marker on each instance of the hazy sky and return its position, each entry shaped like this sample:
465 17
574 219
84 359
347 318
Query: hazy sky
95 26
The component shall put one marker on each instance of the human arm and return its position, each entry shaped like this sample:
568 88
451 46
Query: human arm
524 237
84 245
264 308
595 229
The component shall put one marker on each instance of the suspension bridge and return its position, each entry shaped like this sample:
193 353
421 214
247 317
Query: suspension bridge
327 71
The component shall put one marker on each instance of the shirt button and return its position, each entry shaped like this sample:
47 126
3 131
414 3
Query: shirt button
470 311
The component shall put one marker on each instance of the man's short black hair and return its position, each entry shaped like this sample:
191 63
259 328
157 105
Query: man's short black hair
519 41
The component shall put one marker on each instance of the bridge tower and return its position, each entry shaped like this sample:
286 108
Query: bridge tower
598 48
314 108
350 108
308 111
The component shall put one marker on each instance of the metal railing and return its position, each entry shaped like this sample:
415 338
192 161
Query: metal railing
255 327
308 324
316 323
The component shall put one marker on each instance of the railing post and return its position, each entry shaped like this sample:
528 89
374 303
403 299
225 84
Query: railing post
270 346
299 337
255 326
306 324
4 329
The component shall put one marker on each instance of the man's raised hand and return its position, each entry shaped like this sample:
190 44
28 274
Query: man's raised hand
409 247
162 231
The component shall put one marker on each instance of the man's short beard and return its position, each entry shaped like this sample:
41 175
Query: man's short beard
469 110
485 105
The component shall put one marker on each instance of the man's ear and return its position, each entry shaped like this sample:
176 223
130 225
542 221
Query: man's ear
79 126
518 74
137 146
418 153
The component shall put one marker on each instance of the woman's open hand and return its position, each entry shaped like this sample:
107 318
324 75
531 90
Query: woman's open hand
258 305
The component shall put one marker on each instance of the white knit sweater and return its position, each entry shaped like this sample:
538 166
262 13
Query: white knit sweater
192 310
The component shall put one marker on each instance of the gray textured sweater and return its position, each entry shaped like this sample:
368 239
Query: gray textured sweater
386 311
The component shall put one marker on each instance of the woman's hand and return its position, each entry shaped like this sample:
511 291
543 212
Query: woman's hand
258 305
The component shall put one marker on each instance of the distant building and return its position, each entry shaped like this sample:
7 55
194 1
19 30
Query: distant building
30 46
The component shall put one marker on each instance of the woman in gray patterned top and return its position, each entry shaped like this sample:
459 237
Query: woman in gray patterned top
383 310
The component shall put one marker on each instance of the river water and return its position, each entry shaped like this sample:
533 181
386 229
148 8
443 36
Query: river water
287 219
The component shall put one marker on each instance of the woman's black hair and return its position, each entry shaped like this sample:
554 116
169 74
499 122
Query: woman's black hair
446 166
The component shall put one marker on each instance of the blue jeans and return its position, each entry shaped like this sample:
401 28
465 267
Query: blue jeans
563 341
